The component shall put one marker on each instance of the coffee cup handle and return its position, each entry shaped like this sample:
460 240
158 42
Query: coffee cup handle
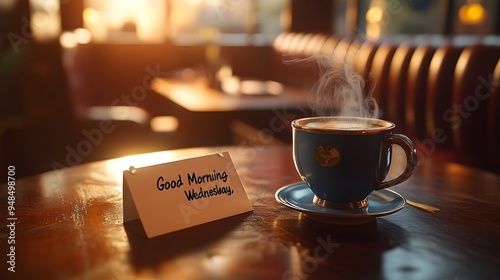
411 159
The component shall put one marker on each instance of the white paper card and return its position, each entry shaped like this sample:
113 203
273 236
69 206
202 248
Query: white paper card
181 194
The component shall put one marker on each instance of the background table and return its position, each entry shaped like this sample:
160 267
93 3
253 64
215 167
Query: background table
70 226
206 115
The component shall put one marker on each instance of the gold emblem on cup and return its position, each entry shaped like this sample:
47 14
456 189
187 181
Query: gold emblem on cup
327 155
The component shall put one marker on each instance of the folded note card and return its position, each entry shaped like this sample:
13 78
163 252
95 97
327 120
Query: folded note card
185 193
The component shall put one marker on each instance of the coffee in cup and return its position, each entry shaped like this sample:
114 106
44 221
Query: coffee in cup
343 159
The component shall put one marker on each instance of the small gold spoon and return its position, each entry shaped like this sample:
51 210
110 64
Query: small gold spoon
423 207
420 206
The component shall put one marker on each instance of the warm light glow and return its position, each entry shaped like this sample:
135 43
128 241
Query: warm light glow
90 16
82 35
374 20
184 15
92 20
68 40
129 113
374 14
45 19
164 124
116 166
195 3
72 39
231 85
274 88
125 20
373 31
472 13
224 72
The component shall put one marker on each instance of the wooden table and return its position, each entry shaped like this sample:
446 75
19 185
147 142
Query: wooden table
206 115
69 226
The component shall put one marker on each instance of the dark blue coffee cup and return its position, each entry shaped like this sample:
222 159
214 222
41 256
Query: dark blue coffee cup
344 159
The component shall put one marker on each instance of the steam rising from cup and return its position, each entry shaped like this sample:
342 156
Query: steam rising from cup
339 90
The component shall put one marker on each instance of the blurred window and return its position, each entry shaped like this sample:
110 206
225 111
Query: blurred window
377 18
185 22
126 21
227 22
387 17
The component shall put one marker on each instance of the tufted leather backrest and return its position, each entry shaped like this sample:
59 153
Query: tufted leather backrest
416 86
472 90
494 120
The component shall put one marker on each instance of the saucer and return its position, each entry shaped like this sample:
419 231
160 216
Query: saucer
299 196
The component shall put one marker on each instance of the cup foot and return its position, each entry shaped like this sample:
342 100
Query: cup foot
340 205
